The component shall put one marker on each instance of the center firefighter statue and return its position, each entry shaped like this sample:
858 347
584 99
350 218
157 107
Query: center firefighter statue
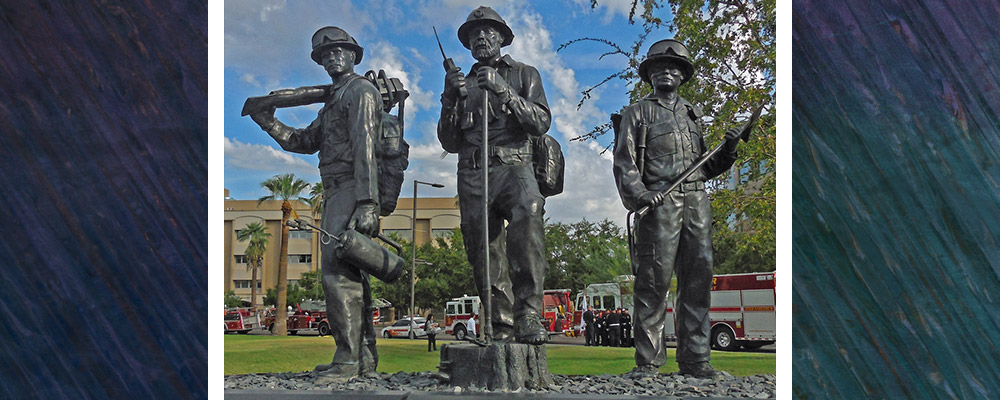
523 165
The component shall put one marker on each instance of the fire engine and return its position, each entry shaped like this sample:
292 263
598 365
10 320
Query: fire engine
242 320
554 303
742 312
309 316
603 296
457 314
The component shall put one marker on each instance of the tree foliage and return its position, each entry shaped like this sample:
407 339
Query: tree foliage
443 272
283 187
733 48
256 233
583 253
232 300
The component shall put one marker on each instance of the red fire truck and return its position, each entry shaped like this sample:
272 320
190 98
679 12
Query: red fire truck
554 303
242 320
457 314
309 316
742 312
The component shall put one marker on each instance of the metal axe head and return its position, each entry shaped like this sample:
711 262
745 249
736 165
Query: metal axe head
745 133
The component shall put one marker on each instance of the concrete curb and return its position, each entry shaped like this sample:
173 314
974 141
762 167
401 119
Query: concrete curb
262 394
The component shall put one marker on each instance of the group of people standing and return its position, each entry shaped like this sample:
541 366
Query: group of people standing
608 327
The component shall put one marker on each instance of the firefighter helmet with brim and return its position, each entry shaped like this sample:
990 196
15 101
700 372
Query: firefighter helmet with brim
331 36
485 15
667 49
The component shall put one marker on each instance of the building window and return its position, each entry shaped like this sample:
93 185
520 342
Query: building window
442 233
300 258
244 284
401 233
292 282
241 259
300 234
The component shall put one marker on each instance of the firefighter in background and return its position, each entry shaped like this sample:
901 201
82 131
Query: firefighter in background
676 235
589 328
614 328
600 329
517 111
344 134
626 329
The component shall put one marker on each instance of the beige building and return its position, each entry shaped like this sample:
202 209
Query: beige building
436 217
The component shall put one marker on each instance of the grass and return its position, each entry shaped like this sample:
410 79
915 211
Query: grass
246 354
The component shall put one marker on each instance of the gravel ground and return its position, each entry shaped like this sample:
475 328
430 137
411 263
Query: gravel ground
756 386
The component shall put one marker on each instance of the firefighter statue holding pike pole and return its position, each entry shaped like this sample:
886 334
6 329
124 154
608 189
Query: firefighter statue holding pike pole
661 164
495 119
362 157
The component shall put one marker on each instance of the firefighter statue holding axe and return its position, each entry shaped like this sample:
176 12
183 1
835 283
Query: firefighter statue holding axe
362 157
661 164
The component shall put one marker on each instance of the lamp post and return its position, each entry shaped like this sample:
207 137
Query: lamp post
413 231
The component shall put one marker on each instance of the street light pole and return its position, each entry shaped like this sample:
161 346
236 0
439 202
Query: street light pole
413 232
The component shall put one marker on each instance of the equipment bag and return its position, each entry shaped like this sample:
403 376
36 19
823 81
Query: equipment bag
392 152
549 165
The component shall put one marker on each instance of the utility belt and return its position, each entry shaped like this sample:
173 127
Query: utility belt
337 177
472 157
682 188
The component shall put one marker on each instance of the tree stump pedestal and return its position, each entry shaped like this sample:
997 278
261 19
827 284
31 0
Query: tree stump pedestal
499 366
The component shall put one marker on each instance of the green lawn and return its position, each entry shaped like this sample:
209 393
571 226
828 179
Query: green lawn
246 354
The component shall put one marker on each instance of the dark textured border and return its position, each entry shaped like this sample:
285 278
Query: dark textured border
896 194
103 153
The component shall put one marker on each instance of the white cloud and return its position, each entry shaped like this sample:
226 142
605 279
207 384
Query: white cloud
270 39
612 8
590 190
426 164
387 57
258 157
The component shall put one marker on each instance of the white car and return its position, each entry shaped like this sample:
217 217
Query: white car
401 328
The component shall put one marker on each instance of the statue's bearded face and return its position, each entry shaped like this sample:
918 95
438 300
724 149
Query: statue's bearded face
338 61
485 41
666 75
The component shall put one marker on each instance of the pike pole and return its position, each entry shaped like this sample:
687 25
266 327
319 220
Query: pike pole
487 319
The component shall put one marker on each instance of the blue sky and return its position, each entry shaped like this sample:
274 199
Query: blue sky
267 46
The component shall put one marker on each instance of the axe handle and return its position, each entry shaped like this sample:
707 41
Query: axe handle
684 175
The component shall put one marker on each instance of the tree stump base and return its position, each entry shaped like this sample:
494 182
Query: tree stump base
499 366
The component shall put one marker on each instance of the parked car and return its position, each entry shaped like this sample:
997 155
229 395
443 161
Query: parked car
401 328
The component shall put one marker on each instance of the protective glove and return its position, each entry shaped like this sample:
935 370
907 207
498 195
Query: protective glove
651 198
365 219
453 81
265 119
489 78
732 140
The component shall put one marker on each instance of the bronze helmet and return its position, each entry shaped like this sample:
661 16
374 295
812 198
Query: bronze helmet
667 49
485 15
330 36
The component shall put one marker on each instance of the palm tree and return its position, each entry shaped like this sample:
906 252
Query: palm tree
283 187
257 234
316 204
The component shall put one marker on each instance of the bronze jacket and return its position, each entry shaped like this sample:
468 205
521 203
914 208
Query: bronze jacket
514 116
673 142
345 134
